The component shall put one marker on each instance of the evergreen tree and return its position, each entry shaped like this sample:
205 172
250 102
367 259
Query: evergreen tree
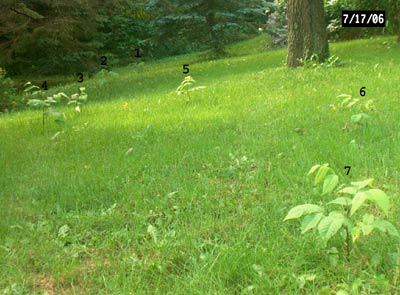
204 23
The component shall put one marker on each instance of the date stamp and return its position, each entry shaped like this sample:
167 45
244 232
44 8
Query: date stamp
363 18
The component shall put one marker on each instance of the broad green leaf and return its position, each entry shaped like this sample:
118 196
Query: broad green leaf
356 118
359 118
197 88
83 97
344 201
357 201
322 171
386 227
352 102
343 95
50 100
300 210
367 224
63 95
330 183
379 198
37 103
31 88
330 225
58 116
346 100
361 184
313 169
56 135
348 190
310 221
60 95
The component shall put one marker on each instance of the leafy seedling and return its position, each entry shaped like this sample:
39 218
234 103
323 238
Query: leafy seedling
45 103
185 87
343 214
78 99
38 99
350 103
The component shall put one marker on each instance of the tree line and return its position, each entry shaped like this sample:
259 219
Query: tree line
62 37
55 36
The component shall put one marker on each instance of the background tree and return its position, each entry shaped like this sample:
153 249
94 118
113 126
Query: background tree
52 37
64 37
46 37
307 35
204 24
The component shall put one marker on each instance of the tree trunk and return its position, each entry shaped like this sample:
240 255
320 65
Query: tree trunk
296 8
307 35
319 33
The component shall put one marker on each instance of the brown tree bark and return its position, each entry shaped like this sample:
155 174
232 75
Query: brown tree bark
319 32
296 41
307 35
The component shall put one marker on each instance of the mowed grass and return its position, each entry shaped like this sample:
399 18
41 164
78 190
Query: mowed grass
147 193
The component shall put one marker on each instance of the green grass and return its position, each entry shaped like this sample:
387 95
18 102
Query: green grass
196 206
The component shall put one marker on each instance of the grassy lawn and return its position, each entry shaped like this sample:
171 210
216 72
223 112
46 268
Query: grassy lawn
145 192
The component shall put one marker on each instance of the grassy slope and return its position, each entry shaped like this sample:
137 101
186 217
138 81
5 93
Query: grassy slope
201 196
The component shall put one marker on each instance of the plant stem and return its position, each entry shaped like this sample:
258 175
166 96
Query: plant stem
348 241
348 244
43 120
397 271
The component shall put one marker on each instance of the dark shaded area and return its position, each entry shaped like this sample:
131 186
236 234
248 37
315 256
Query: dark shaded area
64 37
